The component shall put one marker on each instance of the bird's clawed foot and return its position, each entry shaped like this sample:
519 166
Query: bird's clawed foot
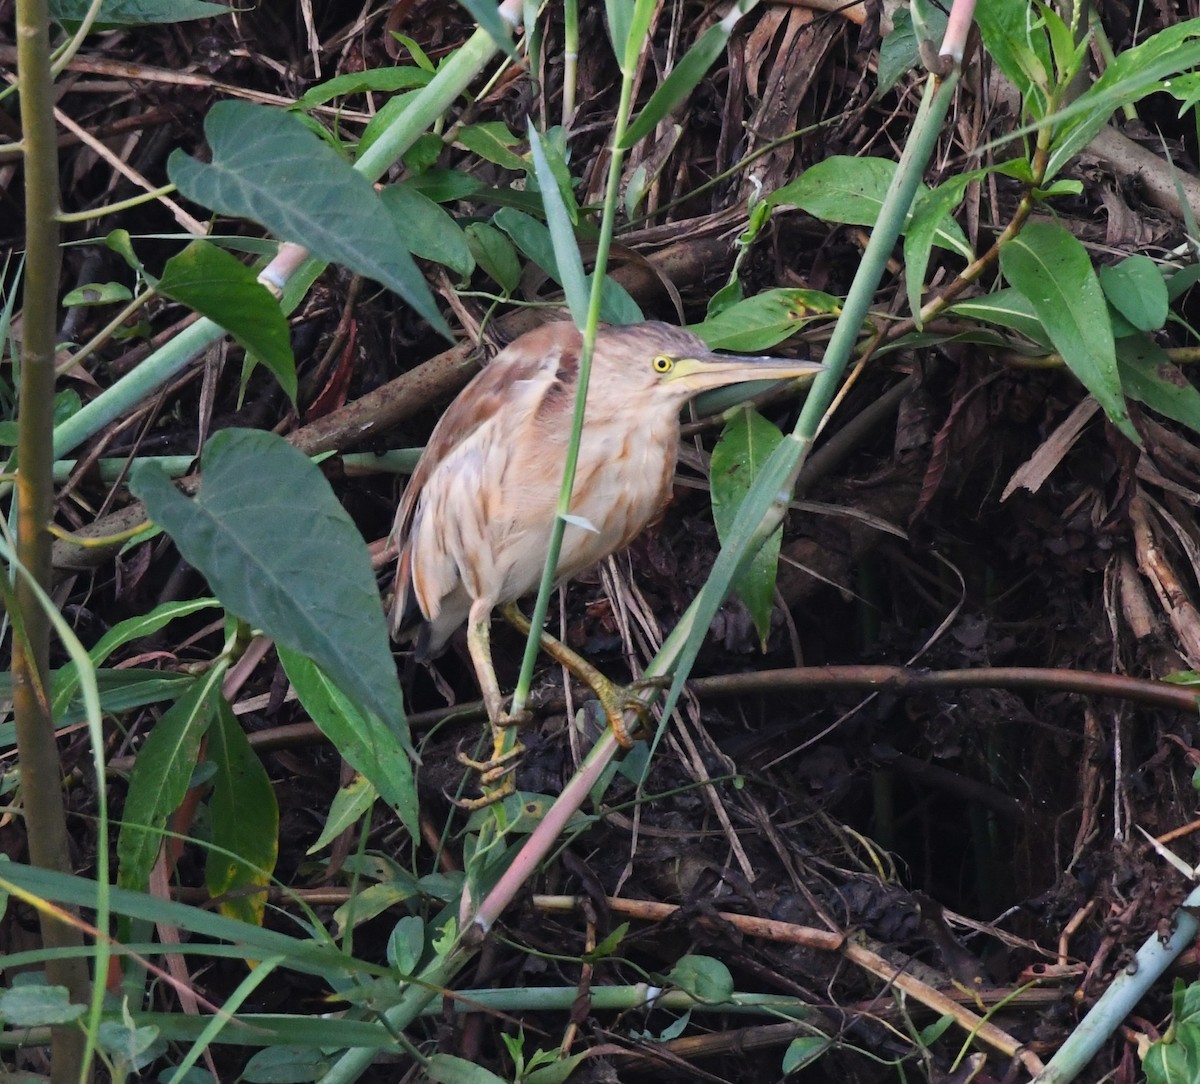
618 700
496 774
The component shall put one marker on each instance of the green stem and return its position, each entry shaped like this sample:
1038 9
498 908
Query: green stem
1119 1000
451 80
608 218
768 498
120 205
41 775
570 59
622 998
114 469
64 55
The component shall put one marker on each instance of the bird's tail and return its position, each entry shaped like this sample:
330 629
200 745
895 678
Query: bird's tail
405 617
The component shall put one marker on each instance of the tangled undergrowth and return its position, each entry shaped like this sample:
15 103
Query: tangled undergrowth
969 508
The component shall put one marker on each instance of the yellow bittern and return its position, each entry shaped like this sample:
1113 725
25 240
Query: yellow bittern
473 527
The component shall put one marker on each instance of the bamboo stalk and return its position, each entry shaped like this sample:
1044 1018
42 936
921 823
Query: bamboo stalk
41 776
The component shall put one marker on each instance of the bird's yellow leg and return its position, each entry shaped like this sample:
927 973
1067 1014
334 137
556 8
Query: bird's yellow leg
495 774
615 699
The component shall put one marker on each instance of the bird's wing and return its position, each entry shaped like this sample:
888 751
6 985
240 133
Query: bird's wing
543 356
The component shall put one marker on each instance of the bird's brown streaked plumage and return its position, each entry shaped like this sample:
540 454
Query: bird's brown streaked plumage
474 524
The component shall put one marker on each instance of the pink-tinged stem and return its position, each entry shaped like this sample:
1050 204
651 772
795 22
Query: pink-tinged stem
545 836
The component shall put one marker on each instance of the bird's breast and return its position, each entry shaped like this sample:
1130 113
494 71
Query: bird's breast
484 524
621 484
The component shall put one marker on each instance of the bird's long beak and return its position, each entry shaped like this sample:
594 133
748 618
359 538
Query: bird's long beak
718 370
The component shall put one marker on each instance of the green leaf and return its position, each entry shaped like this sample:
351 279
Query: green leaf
245 822
1168 1063
803 1051
406 945
495 254
351 803
929 211
218 285
121 243
566 251
616 304
420 57
161 777
385 80
1019 48
608 945
673 1031
530 236
130 1048
115 14
533 239
1136 289
1182 281
554 147
447 1069
66 405
1149 376
1065 51
487 14
704 977
629 24
1184 88
725 298
303 954
429 231
280 552
557 1072
32 1005
1131 75
745 445
685 76
765 320
147 624
852 190
67 679
266 166
1187 1011
931 1033
285 1065
492 141
97 293
761 513
900 51
444 185
1064 186
637 36
1008 308
1052 269
370 903
378 752
1189 678
386 116
120 691
424 153
619 15
635 189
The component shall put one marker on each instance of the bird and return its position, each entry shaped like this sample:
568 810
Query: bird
472 529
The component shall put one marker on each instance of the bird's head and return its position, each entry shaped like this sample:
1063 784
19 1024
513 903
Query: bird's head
676 364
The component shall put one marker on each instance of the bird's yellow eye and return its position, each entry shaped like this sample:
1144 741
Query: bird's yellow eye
662 364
